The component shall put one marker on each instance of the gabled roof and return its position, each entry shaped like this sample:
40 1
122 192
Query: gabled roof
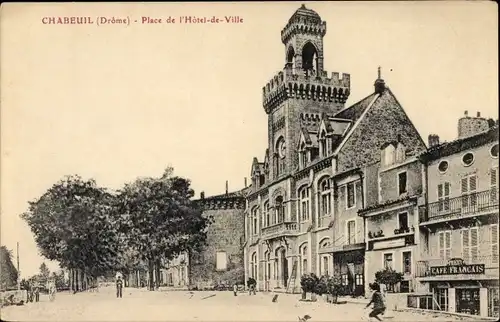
257 167
354 112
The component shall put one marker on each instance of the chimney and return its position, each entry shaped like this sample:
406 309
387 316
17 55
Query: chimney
478 114
227 188
245 182
202 195
379 83
433 140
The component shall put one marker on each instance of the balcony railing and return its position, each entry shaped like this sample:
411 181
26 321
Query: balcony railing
455 208
423 267
283 228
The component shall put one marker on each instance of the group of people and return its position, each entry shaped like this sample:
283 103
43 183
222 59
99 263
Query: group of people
33 291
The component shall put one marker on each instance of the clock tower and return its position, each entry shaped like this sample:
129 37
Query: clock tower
298 95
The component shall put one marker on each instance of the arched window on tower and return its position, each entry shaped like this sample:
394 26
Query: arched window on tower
290 58
309 57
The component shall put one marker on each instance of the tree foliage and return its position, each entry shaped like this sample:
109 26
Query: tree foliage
159 219
73 223
388 277
8 272
85 227
44 272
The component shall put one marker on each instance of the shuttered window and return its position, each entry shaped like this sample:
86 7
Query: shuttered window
494 243
444 196
444 245
468 189
470 245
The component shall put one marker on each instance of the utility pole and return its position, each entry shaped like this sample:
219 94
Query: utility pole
18 271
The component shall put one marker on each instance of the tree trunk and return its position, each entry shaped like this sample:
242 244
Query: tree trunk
158 279
150 272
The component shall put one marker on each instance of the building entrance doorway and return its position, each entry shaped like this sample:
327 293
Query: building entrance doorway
468 301
284 268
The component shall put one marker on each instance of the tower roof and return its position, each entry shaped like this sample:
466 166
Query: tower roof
305 12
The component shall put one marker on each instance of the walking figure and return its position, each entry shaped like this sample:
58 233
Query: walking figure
119 287
378 302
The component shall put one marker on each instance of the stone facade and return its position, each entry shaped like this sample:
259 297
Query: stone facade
221 261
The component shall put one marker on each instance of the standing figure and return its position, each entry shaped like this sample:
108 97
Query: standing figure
119 287
37 293
378 302
235 289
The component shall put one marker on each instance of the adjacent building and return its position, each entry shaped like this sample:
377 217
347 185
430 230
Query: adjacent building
394 190
460 218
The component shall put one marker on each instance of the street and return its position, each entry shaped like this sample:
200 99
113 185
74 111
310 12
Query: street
142 305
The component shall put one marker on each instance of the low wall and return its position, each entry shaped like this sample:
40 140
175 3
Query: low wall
17 297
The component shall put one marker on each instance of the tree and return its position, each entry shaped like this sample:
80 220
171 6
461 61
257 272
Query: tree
44 272
388 277
159 220
8 271
73 223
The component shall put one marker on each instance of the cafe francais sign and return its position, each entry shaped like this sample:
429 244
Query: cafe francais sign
455 267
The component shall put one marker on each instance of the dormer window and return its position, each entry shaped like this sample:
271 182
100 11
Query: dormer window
389 155
303 156
322 144
400 153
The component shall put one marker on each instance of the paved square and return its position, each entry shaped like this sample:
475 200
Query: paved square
143 305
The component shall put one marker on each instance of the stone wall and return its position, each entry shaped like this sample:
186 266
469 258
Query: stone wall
225 234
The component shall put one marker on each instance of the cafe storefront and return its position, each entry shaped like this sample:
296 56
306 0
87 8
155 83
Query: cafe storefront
462 288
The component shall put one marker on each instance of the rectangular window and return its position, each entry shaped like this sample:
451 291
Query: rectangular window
345 279
494 243
325 265
468 189
351 232
359 279
402 183
388 261
351 195
403 220
444 246
407 262
221 259
441 296
444 196
470 245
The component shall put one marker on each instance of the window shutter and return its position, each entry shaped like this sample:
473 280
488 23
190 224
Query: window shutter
448 245
494 243
493 185
472 183
464 185
441 245
474 251
446 189
440 191
465 246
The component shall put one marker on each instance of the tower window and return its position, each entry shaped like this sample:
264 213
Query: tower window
309 57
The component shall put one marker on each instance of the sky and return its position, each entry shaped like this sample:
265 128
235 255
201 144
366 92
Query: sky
114 102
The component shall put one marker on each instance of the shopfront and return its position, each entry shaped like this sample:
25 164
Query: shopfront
462 288
350 266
